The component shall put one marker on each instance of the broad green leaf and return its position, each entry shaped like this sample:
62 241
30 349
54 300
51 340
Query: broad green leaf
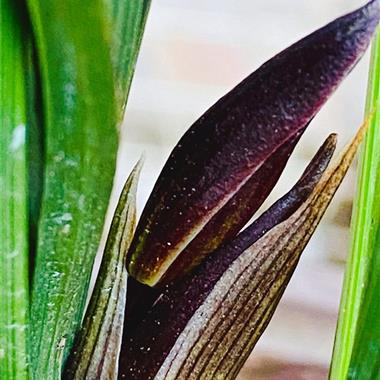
96 349
14 283
357 345
206 326
128 19
80 115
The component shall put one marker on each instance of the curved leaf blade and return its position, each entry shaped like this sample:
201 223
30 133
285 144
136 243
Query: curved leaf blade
357 344
363 254
95 351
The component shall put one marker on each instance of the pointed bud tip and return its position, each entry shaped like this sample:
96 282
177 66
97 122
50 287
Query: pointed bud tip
174 218
373 5
372 11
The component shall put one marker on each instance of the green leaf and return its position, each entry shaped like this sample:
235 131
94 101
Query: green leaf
357 345
365 359
128 19
80 148
14 281
96 349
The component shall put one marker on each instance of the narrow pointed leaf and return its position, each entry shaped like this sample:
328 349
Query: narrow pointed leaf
96 349
206 326
14 283
364 362
357 344
80 136
228 145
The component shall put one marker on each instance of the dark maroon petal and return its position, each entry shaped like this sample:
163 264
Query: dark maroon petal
146 344
229 220
224 149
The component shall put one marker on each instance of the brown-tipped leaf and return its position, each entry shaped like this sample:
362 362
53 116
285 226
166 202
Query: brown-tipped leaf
224 154
206 325
97 346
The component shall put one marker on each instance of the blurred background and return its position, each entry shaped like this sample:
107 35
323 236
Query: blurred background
195 51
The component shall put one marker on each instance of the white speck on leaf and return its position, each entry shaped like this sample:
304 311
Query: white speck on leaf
64 218
18 138
13 254
66 229
61 344
67 217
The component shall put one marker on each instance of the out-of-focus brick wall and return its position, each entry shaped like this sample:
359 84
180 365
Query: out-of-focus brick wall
195 51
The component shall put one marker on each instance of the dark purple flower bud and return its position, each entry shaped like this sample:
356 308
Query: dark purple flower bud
229 160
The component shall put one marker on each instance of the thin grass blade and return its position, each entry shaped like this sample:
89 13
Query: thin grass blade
96 350
365 359
357 344
14 283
